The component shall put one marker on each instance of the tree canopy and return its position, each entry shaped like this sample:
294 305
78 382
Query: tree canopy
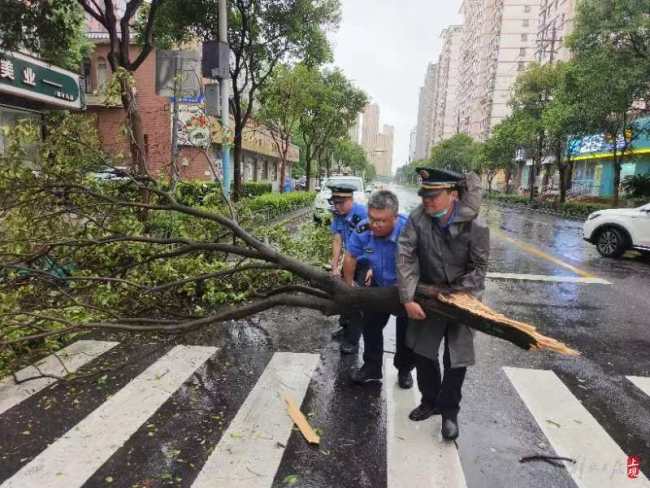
55 31
261 34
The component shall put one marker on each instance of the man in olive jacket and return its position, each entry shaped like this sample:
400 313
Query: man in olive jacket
445 246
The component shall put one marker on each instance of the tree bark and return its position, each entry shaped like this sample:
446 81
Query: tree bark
134 121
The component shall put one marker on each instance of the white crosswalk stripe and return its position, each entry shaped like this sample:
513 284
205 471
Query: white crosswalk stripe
416 457
67 360
73 458
572 431
250 450
641 383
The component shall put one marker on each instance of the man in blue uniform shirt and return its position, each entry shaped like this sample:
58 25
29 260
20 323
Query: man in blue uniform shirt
375 239
347 215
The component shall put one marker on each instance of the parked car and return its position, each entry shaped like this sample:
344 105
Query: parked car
322 208
617 230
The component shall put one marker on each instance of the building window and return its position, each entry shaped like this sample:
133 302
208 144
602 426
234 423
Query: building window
522 51
102 73
525 23
87 76
521 66
527 9
146 145
524 38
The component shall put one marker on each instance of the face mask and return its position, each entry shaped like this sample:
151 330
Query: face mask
441 214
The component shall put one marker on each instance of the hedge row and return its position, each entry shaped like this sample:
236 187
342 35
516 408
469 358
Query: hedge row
254 188
571 209
271 205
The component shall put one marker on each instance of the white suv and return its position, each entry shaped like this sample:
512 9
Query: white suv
617 230
322 210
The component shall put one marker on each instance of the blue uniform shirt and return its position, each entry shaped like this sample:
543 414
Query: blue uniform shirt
346 224
380 251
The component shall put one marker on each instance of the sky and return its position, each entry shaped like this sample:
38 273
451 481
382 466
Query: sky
384 46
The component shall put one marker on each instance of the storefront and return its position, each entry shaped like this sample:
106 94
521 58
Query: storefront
593 160
199 137
29 88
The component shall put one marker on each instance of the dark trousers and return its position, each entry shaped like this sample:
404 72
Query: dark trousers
352 322
373 342
441 391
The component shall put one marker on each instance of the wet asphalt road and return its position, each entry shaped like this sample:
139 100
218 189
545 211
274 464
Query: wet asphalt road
608 324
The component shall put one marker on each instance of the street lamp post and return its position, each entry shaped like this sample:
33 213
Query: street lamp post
225 112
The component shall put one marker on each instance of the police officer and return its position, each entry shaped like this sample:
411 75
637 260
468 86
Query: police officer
347 215
445 246
376 240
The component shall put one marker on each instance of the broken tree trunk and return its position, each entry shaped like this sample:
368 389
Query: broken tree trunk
457 307
465 308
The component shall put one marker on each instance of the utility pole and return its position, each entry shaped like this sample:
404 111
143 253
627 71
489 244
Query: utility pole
225 97
175 172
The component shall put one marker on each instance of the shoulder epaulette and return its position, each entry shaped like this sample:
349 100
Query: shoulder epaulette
363 228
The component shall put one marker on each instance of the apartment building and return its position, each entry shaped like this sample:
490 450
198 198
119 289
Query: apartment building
424 137
556 20
499 39
446 118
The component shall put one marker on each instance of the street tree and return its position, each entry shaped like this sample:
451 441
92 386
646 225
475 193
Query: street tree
334 104
458 153
497 154
609 77
532 93
55 31
564 122
118 23
282 103
351 155
622 25
262 34
75 257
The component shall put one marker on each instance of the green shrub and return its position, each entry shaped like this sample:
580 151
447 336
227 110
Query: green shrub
637 186
507 198
254 188
578 209
280 202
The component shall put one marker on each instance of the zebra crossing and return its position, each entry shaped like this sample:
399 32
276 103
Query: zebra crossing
253 446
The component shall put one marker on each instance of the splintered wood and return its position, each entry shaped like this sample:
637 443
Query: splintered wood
469 303
300 420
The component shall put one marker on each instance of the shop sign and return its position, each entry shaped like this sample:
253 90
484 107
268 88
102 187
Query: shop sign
31 78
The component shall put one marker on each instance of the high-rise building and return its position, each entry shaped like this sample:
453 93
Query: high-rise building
355 130
499 40
412 142
470 65
426 113
378 145
370 128
555 24
384 153
449 68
